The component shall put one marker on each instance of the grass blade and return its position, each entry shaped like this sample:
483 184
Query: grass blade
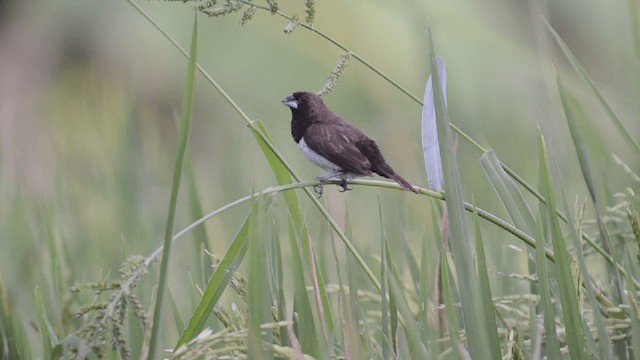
568 291
586 78
603 345
217 283
451 311
414 340
488 312
183 139
258 295
384 279
200 244
461 240
508 192
587 174
47 334
552 344
10 334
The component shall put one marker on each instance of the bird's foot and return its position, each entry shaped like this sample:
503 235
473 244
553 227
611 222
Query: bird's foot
319 189
343 184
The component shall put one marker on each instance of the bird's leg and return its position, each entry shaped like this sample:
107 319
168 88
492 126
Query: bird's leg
319 189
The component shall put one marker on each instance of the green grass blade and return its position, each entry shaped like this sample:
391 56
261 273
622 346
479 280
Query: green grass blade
307 333
488 313
587 175
451 310
513 201
279 285
46 333
200 244
568 291
460 238
384 303
425 290
9 334
258 295
551 339
603 346
414 338
578 141
586 78
508 192
388 307
183 139
635 30
217 283
177 318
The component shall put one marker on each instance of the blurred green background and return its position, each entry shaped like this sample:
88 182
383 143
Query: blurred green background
90 96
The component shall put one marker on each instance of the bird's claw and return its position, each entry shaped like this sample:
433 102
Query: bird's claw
344 186
319 189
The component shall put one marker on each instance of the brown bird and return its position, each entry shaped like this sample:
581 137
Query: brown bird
330 142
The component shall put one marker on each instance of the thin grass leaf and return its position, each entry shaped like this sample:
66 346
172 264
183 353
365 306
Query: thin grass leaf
430 144
603 347
465 264
353 302
217 283
279 285
200 243
568 291
259 295
488 312
321 298
10 337
587 175
307 332
424 291
384 279
586 78
513 201
414 340
635 29
389 308
508 192
183 139
451 310
175 311
551 338
47 335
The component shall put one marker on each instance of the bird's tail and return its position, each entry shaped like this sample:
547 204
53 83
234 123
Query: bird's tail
388 172
404 183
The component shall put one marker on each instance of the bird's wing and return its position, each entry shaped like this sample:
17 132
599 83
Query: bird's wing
337 144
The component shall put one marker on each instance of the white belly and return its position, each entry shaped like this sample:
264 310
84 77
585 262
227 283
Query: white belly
315 158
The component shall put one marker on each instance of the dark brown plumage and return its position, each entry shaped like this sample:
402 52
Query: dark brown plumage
330 142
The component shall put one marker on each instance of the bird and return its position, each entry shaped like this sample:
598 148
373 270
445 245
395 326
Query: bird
335 145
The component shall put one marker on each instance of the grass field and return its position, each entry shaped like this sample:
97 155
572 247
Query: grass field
155 206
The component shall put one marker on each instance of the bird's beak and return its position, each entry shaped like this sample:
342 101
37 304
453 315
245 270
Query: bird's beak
290 101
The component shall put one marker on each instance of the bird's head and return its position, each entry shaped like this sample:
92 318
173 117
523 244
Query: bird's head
304 103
